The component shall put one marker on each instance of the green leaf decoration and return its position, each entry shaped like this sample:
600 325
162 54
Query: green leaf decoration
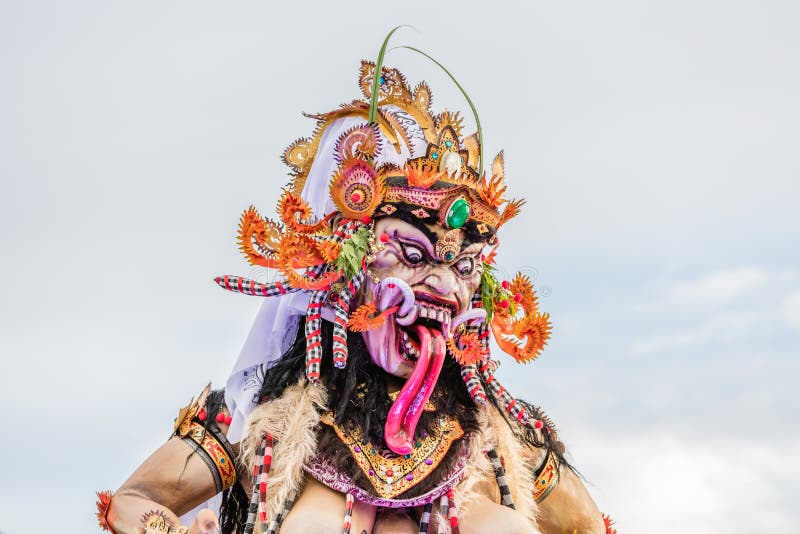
489 287
354 249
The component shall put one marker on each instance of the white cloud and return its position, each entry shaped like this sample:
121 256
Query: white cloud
661 483
791 310
722 326
733 304
670 342
719 286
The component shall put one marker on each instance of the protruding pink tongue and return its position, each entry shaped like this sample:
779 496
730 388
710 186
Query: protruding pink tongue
407 408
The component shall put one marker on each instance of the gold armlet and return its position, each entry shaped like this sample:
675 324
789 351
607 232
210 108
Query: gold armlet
207 441
215 452
547 477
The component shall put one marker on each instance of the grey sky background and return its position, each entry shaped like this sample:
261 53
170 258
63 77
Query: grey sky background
656 143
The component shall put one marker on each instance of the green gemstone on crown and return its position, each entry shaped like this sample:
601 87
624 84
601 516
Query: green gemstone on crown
457 213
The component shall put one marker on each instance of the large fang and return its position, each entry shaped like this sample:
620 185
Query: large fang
395 292
474 314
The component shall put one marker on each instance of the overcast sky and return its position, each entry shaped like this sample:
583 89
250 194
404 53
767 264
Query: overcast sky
656 142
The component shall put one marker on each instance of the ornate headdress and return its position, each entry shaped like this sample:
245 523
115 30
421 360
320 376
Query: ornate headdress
386 154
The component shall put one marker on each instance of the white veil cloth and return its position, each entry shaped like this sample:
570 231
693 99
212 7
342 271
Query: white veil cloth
275 326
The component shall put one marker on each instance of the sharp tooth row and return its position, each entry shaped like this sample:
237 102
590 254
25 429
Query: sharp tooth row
432 311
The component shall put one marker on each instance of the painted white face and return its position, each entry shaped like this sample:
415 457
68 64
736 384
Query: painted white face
442 289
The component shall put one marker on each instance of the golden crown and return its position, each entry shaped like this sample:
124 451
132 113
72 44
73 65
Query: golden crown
443 184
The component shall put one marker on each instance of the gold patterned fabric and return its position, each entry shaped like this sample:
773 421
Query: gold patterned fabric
223 463
390 474
547 479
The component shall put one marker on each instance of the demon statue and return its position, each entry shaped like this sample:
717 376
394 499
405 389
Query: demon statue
365 399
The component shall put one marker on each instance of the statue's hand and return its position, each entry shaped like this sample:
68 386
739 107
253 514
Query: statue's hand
205 523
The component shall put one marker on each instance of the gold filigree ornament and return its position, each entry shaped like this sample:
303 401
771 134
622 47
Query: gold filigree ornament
357 188
448 246
183 423
390 474
448 156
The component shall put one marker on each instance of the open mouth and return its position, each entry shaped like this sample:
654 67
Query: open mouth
435 309
412 344
432 312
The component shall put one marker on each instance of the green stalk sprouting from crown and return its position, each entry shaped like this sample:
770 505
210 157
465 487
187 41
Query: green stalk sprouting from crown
469 101
376 77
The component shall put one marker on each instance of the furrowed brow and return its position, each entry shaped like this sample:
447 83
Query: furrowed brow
422 241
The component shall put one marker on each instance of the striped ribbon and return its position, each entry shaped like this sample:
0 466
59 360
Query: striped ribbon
314 335
252 509
502 483
348 513
444 507
515 409
266 464
342 310
246 286
314 314
452 513
469 373
425 520
275 524
238 284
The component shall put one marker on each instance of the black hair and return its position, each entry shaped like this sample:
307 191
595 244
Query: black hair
404 213
358 393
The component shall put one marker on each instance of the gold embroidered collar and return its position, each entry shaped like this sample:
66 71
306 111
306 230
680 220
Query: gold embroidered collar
390 474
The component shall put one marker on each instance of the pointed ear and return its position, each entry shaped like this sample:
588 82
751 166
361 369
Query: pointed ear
473 149
498 166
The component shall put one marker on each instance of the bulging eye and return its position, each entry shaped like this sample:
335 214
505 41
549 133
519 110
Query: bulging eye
412 254
465 266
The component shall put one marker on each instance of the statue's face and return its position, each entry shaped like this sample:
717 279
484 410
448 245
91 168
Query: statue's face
442 289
